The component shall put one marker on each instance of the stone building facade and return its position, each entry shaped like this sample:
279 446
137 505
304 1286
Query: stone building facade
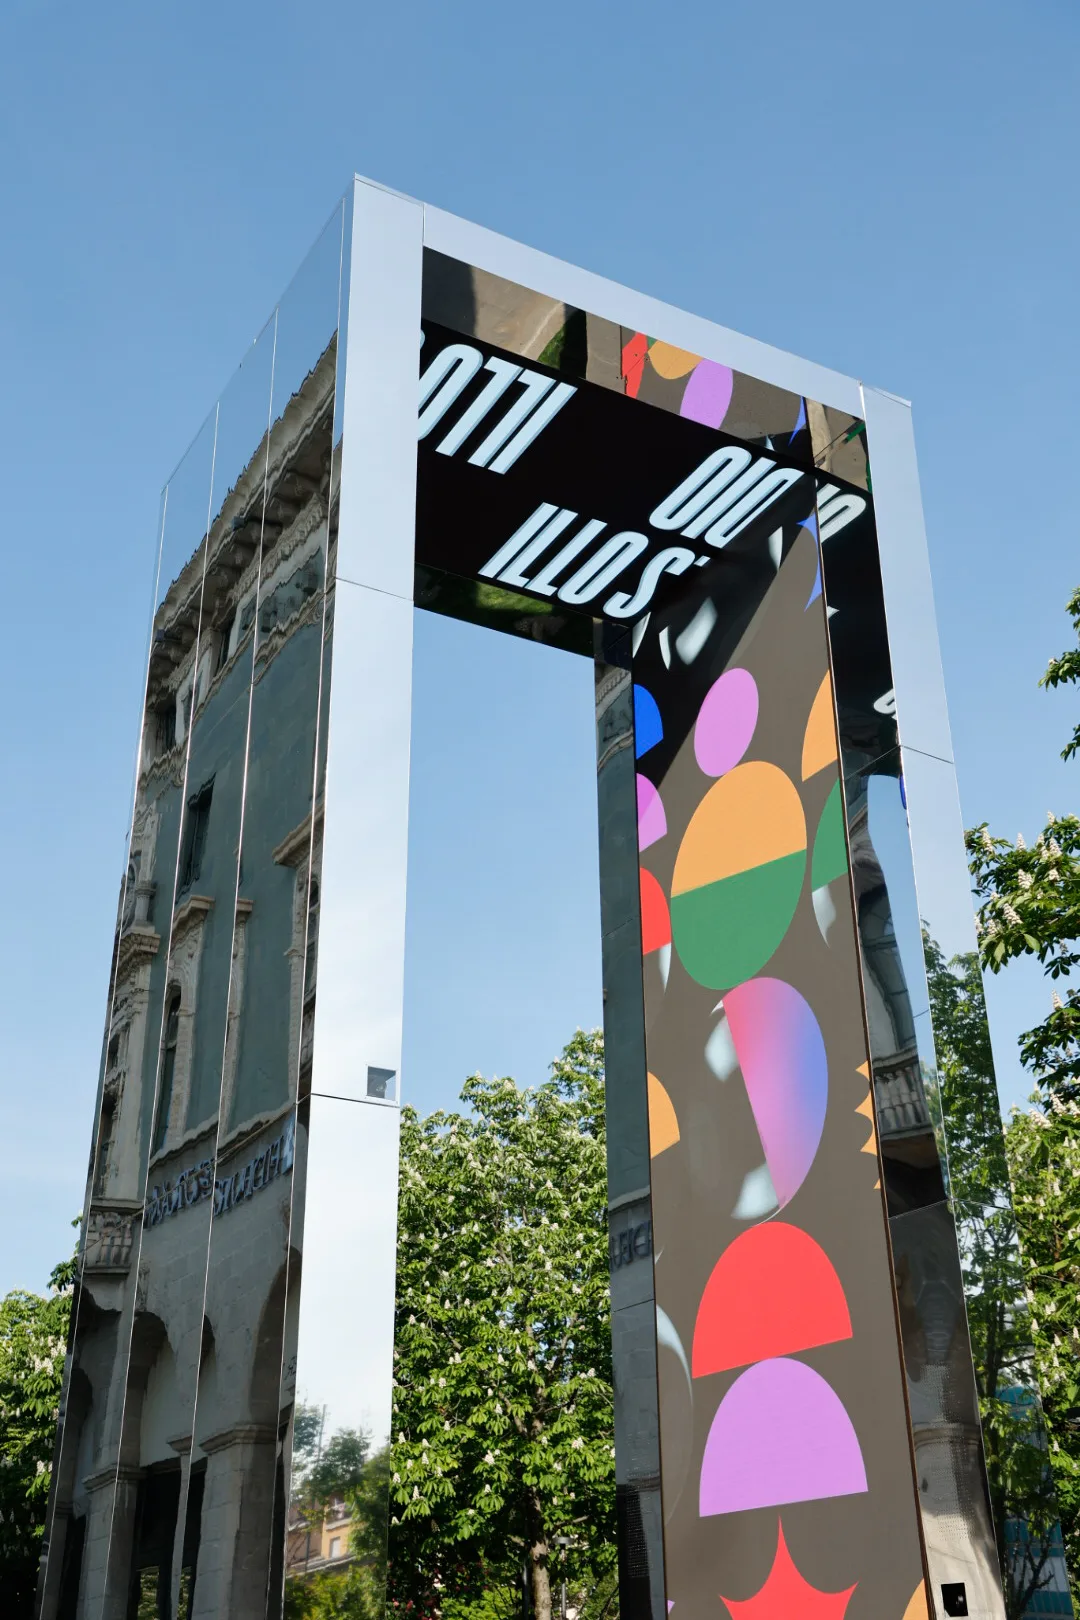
171 1469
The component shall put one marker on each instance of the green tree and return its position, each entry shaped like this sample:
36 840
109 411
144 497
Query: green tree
345 1471
1030 906
503 1413
33 1341
1043 1148
995 1278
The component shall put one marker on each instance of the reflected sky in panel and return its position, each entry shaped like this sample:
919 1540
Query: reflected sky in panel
503 921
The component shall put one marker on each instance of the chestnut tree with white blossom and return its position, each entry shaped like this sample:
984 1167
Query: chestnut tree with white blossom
502 1454
33 1343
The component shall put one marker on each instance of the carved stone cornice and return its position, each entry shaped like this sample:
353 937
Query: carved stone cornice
111 1474
137 944
240 1434
193 910
294 847
310 612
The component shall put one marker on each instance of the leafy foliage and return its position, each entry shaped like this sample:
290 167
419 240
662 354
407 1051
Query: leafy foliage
1030 905
344 1472
33 1341
995 1281
503 1415
1065 669
1044 1159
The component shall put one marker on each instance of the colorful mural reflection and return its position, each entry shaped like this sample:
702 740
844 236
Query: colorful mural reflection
785 1450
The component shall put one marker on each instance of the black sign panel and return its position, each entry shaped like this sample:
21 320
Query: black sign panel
573 494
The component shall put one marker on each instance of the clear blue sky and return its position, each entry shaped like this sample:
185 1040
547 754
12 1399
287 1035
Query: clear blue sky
889 190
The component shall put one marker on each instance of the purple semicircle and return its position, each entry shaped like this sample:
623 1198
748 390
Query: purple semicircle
782 1057
708 393
781 1434
651 820
725 723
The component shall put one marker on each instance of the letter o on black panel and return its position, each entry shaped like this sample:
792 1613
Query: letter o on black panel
598 571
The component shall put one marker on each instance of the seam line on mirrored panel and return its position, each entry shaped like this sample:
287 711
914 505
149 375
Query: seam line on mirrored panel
342 579
335 1096
863 770
926 754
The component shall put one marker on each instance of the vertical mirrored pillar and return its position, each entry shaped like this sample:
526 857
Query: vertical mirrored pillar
146 1042
954 1046
942 1397
229 1520
636 1325
336 1366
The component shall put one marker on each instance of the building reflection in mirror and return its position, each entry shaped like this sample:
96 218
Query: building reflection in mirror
168 1472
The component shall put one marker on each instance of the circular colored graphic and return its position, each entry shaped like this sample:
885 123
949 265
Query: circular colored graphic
655 919
726 721
786 1073
738 875
781 1434
651 820
648 726
828 864
773 1292
819 741
668 361
707 394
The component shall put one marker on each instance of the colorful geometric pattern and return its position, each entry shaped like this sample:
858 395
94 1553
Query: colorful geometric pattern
780 1377
782 1057
726 721
773 1292
738 875
780 1435
757 412
787 1596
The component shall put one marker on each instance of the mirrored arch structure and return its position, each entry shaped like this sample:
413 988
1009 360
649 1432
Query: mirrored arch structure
525 653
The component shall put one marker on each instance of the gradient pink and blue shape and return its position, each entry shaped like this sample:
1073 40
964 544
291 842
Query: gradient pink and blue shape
781 1053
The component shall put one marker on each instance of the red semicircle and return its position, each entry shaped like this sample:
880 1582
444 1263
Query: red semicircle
773 1292
655 917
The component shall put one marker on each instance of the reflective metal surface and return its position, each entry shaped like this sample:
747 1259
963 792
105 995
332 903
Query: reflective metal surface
166 1479
634 1346
227 1442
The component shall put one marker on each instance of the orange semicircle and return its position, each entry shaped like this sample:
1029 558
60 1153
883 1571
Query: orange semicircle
773 1292
819 739
663 1121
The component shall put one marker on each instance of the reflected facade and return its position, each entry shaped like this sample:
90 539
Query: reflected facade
769 1365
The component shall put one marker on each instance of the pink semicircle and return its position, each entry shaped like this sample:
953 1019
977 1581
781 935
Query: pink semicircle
726 721
651 820
708 393
781 1434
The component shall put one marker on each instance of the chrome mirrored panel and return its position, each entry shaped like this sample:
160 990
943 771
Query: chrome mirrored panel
501 1458
89 1547
461 1123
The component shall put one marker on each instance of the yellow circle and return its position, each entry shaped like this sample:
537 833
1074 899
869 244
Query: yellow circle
667 361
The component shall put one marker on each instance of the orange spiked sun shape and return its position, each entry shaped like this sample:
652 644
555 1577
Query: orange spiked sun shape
786 1596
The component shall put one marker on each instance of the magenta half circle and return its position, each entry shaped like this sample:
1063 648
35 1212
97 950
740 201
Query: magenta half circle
781 1434
708 393
726 721
651 820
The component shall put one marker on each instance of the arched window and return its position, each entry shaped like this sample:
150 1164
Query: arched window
168 1071
311 949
